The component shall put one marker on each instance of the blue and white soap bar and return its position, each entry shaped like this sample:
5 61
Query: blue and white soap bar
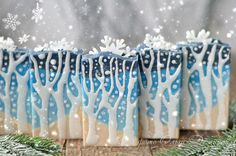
15 106
56 93
205 96
110 95
160 74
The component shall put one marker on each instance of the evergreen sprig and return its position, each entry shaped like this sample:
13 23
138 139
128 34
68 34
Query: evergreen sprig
232 112
21 144
212 146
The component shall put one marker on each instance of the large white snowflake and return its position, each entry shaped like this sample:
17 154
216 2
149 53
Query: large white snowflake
115 46
202 36
37 13
158 42
11 21
24 38
62 44
7 44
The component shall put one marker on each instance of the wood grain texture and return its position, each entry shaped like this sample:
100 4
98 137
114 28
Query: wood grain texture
146 147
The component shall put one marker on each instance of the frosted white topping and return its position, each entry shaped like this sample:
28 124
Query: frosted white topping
158 42
116 46
7 44
202 36
62 44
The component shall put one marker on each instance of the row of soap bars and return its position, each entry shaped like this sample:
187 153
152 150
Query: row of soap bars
115 95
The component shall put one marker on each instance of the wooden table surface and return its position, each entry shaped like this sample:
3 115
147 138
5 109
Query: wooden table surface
146 147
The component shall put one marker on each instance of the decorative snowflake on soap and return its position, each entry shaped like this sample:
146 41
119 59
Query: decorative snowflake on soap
62 44
11 21
202 36
7 44
116 46
158 42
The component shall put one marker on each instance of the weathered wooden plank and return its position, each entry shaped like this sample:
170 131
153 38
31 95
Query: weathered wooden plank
114 151
161 145
73 148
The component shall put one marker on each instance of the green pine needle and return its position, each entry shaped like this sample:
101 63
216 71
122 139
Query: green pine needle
21 144
212 146
232 112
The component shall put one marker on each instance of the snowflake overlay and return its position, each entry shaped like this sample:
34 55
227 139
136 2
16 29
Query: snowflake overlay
24 38
84 10
11 21
37 13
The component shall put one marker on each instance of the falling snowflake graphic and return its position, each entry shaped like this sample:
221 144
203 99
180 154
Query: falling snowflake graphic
84 10
37 13
24 38
99 9
11 21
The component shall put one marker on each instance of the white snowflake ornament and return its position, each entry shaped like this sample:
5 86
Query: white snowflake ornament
158 42
128 52
7 44
116 46
202 36
11 21
94 51
55 45
61 44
